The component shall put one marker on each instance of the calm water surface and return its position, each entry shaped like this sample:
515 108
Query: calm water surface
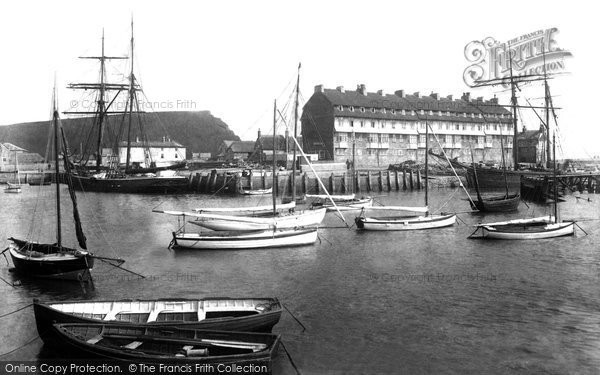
391 302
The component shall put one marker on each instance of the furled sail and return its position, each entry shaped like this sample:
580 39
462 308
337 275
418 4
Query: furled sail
78 228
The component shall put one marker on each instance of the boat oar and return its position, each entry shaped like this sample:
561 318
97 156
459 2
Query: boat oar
7 282
290 358
296 319
121 261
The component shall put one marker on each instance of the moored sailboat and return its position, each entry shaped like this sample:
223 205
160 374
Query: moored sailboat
56 261
415 221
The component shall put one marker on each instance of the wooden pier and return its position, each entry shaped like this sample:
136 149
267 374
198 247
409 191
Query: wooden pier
539 188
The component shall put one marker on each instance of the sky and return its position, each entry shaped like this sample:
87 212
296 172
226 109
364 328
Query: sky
234 57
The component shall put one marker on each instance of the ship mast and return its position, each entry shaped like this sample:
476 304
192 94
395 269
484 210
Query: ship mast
56 168
547 110
513 101
273 185
131 96
295 135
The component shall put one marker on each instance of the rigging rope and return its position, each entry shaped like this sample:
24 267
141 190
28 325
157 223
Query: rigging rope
17 310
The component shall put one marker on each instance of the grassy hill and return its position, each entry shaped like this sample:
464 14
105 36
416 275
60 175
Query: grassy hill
198 131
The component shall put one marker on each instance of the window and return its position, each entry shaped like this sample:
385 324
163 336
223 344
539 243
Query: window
393 125
372 124
457 127
447 126
362 109
162 156
464 127
351 108
422 138
351 124
384 138
393 111
413 139
341 108
362 124
373 110
176 156
495 127
479 127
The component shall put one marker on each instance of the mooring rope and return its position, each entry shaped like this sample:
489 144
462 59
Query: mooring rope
21 347
290 358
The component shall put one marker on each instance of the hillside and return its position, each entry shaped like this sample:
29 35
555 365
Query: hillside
198 131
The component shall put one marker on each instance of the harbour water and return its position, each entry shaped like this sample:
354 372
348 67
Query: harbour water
423 302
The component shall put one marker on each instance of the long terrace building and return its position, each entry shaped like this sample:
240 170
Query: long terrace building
390 128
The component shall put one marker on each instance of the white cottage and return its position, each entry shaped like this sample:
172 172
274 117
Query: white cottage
161 153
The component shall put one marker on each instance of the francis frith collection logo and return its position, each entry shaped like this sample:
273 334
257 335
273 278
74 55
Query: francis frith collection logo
529 54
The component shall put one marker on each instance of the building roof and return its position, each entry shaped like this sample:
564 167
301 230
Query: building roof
266 142
163 144
11 147
390 106
241 146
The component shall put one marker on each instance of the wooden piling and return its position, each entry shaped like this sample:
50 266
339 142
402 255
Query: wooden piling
396 180
250 177
410 176
343 187
369 188
304 189
331 183
264 179
419 179
356 181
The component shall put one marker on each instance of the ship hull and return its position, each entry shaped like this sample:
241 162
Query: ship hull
139 185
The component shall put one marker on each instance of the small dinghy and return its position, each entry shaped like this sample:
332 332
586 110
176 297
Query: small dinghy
250 352
230 314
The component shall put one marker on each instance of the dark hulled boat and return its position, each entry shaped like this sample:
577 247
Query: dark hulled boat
231 314
55 260
116 175
252 352
50 261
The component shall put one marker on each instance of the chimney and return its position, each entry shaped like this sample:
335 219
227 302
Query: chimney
480 99
435 95
380 92
318 88
340 89
417 94
259 135
449 97
494 100
362 89
399 93
466 96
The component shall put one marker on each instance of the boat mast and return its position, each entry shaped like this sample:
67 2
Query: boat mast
426 166
503 162
295 135
353 161
131 96
56 167
513 100
273 187
555 183
101 108
547 109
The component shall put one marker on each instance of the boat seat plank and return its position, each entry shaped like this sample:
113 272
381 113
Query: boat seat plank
133 345
95 339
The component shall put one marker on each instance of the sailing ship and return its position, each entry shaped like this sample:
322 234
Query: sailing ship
529 229
228 314
413 221
14 188
498 203
144 344
148 178
250 232
55 261
533 228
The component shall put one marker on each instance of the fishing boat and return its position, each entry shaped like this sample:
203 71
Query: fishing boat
275 230
497 203
248 211
232 240
145 344
535 228
55 261
525 229
228 314
420 218
257 191
114 177
14 188
342 202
